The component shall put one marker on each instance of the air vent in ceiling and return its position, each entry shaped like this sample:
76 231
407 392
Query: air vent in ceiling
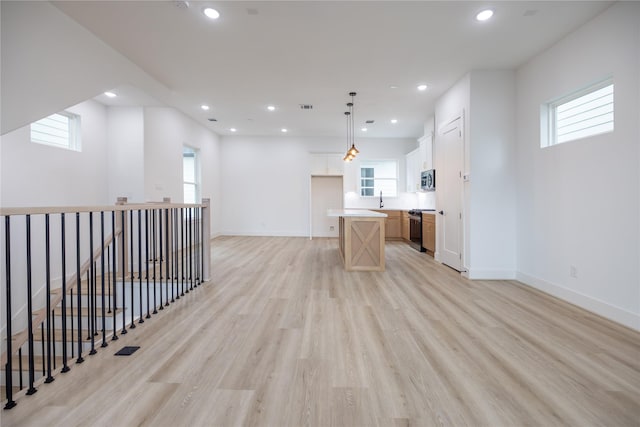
306 107
211 119
370 122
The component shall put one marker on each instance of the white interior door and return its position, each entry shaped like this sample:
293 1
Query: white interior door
450 184
326 193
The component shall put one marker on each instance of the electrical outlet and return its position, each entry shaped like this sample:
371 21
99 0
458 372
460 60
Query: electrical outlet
573 271
331 228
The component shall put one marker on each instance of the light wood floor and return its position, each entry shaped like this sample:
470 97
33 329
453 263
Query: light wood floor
282 336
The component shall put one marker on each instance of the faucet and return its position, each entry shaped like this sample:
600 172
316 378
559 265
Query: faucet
381 202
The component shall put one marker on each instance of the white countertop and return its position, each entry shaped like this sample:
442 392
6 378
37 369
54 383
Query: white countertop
355 212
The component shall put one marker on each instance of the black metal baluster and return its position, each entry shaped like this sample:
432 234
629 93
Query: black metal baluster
168 256
146 256
47 263
9 368
198 244
53 337
21 386
63 255
160 253
133 323
155 296
190 235
174 264
124 261
109 270
103 302
73 354
140 319
182 249
166 260
30 311
114 268
91 280
42 350
79 288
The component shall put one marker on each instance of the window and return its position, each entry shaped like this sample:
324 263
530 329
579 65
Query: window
58 130
579 115
191 175
379 176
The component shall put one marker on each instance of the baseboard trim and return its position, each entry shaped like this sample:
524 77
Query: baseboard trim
475 274
604 309
264 234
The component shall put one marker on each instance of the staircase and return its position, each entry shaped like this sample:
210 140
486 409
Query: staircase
151 255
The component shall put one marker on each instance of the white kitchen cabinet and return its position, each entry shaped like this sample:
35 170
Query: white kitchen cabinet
426 152
413 165
327 164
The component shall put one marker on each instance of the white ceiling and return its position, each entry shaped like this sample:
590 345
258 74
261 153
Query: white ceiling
288 53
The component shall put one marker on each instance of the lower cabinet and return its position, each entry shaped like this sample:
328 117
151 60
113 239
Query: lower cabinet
404 222
429 232
392 224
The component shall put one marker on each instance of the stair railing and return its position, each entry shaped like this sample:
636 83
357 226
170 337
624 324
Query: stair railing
147 257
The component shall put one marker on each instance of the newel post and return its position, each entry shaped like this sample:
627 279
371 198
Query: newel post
206 238
122 268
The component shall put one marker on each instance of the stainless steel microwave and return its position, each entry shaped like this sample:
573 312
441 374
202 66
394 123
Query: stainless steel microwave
428 180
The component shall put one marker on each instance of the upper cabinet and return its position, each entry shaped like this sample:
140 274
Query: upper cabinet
426 152
327 164
413 164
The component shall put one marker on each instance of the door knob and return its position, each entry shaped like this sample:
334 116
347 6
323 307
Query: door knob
441 212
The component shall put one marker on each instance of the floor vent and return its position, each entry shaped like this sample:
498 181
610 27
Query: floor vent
126 351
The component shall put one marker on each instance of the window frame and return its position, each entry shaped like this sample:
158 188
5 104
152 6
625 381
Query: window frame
196 174
364 164
548 113
74 131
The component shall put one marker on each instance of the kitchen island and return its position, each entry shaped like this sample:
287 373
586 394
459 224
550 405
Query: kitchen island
360 239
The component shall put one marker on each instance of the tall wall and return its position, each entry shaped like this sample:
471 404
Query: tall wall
266 181
578 202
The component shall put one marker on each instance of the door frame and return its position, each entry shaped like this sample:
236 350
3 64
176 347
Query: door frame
311 197
444 128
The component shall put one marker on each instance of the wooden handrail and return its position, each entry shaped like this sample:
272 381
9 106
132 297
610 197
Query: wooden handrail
109 208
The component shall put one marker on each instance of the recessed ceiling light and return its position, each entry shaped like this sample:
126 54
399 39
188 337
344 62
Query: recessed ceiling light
211 13
284 130
393 87
271 107
204 107
422 87
363 129
394 121
484 15
233 129
110 94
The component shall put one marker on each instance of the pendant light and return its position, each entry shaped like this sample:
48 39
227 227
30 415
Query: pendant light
352 151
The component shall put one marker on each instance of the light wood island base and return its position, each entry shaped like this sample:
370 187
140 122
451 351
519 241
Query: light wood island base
361 239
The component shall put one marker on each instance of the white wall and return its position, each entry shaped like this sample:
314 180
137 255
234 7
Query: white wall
166 132
39 175
50 62
266 180
578 202
126 153
491 189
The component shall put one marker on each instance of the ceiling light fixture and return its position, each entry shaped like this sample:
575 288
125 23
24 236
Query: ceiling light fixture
351 150
110 94
394 121
204 107
422 87
284 130
271 107
211 13
484 15
364 129
233 129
